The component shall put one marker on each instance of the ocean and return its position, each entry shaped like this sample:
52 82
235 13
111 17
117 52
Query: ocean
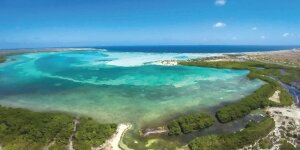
180 48
198 48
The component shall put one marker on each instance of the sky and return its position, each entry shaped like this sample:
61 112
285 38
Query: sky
67 23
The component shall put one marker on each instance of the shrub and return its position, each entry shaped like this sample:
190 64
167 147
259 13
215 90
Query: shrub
92 134
260 98
189 123
249 135
24 129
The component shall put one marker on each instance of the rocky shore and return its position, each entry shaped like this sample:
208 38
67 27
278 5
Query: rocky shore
151 131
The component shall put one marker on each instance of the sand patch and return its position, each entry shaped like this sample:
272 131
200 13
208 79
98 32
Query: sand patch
114 142
275 97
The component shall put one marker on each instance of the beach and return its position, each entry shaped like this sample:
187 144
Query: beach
114 143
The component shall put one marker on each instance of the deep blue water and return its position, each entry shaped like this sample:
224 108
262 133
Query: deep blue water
197 48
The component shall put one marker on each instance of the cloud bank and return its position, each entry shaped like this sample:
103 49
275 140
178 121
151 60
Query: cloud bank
220 2
285 34
219 25
254 28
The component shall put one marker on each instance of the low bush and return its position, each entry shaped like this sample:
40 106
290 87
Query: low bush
260 98
25 129
189 123
252 132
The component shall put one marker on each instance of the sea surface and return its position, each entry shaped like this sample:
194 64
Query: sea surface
198 48
117 87
184 48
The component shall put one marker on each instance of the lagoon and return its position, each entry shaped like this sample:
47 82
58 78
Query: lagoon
118 87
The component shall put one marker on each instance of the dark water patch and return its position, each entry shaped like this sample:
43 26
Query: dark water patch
184 139
292 89
295 93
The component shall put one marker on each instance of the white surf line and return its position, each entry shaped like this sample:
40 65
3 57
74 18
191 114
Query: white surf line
114 142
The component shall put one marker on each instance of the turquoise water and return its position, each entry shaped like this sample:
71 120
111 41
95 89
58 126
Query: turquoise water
117 86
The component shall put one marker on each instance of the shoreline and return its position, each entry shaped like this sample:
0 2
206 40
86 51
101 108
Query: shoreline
261 65
225 56
24 51
114 143
33 50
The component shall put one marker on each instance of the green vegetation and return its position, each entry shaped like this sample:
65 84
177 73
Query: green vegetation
174 128
265 144
2 59
189 123
287 146
285 98
257 69
91 134
24 129
260 98
247 136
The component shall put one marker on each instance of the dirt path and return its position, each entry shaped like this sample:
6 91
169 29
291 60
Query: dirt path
70 145
114 142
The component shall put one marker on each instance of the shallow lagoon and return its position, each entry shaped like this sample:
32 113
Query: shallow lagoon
117 87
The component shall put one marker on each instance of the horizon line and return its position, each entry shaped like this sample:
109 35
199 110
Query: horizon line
148 45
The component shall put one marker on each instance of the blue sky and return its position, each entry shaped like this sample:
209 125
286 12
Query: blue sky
55 23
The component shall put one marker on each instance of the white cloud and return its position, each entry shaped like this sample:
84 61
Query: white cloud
262 37
254 28
219 25
285 34
220 2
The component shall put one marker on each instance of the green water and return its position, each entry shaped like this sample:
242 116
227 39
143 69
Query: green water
99 85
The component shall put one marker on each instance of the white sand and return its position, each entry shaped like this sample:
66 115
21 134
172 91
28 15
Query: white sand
114 142
158 130
275 97
287 117
291 112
